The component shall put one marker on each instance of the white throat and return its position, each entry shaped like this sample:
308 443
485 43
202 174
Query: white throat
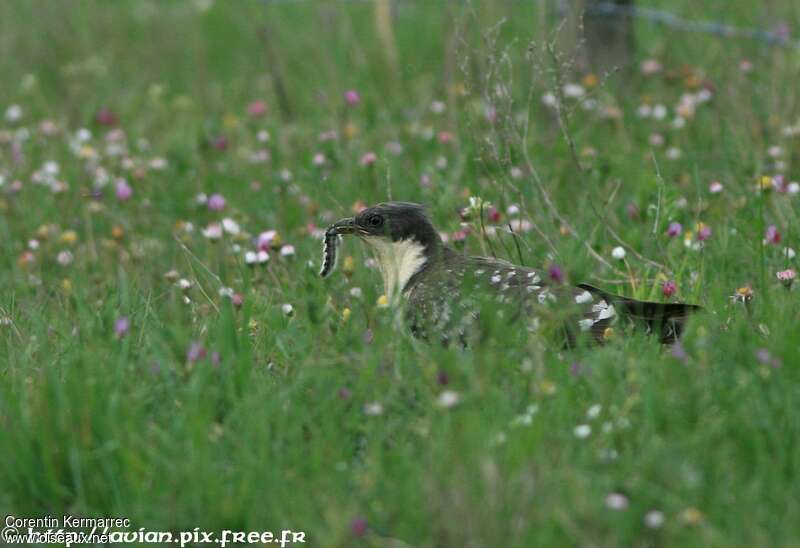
398 261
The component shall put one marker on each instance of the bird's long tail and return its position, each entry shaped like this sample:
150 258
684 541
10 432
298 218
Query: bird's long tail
664 320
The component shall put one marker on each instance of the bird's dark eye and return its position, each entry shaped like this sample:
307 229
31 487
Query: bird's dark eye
375 221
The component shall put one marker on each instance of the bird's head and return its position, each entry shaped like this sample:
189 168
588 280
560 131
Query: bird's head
402 237
391 223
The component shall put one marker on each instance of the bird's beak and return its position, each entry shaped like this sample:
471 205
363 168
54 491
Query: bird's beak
344 226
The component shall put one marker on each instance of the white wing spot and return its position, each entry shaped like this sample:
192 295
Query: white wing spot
511 274
606 313
586 325
584 297
495 279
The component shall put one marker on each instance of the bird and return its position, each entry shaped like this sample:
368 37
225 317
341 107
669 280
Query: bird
441 288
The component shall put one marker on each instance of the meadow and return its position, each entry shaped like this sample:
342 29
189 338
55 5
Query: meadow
169 353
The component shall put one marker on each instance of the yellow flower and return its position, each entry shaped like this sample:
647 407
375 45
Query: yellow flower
349 130
590 80
608 332
546 387
383 301
68 237
692 516
230 121
348 265
117 232
346 314
765 182
66 285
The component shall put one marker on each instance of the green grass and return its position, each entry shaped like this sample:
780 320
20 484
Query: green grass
275 435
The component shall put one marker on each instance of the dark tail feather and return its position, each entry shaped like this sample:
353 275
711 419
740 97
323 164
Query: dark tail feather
665 320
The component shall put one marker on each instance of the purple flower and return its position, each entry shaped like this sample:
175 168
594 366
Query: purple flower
216 202
122 326
216 358
765 357
703 233
220 143
669 288
674 229
351 97
344 393
196 352
556 274
679 352
368 159
257 108
772 235
105 117
124 190
358 526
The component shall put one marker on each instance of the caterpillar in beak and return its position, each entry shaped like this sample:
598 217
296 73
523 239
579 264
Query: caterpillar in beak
329 242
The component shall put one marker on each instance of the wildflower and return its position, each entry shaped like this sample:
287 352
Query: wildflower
669 288
121 327
213 231
654 519
691 516
383 301
225 292
358 527
230 226
352 97
445 137
765 182
257 108
574 90
656 139
556 274
68 237
674 229
368 159
105 117
772 236
216 358
64 258
237 300
715 187
594 411
650 66
679 352
703 232
346 313
123 190
448 398
743 295
617 501
287 251
216 202
13 113
356 292
373 409
220 143
618 253
764 357
287 309
195 353
582 431
786 277
267 240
